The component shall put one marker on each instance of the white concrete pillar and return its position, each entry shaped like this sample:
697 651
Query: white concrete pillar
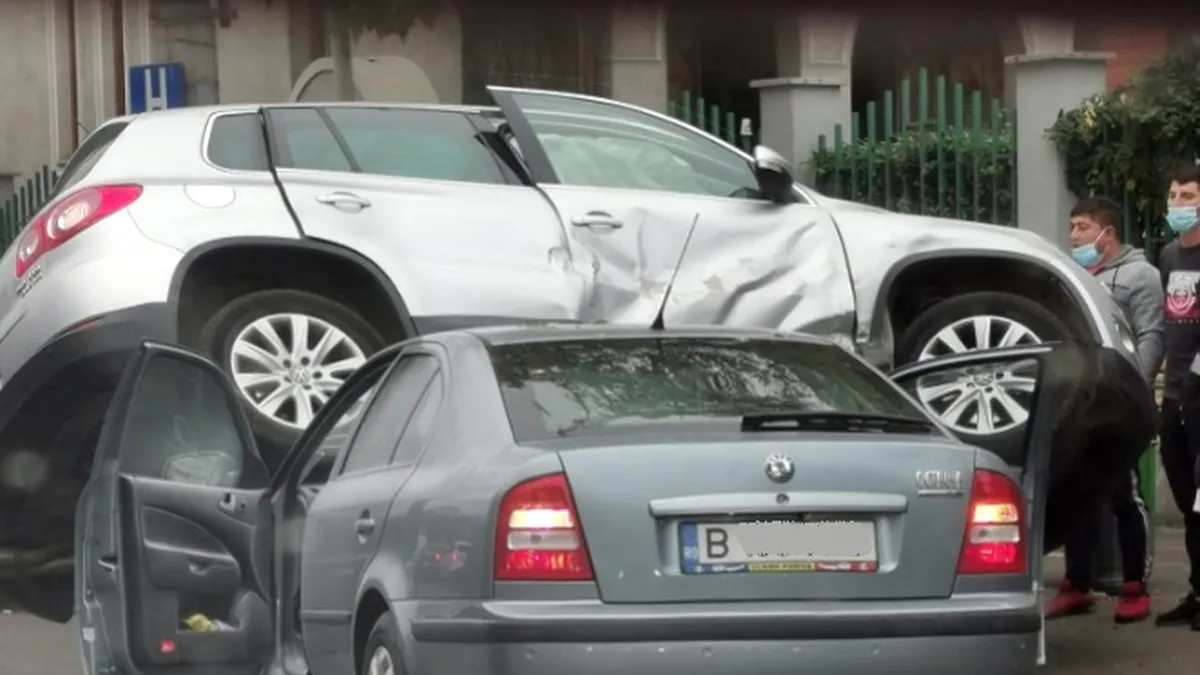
793 112
1044 35
95 66
818 46
638 63
812 93
1045 85
58 79
254 53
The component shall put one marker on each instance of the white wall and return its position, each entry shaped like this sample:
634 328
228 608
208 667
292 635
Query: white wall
25 73
254 54
437 49
260 56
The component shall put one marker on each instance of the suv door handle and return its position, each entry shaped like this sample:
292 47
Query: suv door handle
598 220
347 201
364 526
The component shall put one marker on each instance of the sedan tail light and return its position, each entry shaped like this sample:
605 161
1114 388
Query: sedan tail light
994 542
69 216
538 536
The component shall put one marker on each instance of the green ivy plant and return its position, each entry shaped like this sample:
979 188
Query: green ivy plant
1122 144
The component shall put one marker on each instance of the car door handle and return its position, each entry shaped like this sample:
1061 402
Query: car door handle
364 526
344 200
229 504
598 220
107 562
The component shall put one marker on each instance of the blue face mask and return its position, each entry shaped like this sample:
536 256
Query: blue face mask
1088 255
1181 218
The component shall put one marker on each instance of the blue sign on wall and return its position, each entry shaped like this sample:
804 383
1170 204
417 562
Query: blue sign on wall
156 86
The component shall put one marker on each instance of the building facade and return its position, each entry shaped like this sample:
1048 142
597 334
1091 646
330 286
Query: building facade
71 57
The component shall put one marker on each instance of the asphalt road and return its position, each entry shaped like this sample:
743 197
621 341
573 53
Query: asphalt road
1089 644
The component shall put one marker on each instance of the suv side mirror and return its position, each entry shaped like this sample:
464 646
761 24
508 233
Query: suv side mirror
774 175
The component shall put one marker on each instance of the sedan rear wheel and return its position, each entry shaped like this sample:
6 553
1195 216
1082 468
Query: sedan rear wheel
381 654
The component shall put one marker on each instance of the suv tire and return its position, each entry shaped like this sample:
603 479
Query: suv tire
240 321
1041 323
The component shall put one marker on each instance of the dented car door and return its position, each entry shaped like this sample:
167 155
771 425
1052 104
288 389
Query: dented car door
640 194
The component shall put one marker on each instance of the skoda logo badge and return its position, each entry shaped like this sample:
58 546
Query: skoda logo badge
780 468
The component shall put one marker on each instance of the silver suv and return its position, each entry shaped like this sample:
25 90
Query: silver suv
290 242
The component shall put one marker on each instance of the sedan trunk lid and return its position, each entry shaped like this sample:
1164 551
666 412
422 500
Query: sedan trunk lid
863 517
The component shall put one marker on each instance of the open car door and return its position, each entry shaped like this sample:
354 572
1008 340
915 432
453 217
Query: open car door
1073 418
173 565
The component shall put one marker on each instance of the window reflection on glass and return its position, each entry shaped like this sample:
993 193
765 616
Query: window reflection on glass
555 388
180 426
599 144
979 399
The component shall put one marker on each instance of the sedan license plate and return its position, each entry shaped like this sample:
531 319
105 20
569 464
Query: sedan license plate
778 546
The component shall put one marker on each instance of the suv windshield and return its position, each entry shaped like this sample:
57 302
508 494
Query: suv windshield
556 388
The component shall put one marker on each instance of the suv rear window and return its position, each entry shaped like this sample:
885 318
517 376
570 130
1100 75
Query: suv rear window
555 388
89 152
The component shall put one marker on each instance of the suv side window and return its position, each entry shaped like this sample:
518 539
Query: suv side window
598 144
236 142
398 142
388 413
420 426
89 152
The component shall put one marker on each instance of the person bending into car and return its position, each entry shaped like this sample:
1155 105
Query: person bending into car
1179 442
1136 286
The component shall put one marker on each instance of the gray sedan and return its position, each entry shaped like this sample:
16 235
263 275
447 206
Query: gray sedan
584 498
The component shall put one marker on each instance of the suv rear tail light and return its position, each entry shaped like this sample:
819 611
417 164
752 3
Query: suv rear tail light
68 217
538 537
994 542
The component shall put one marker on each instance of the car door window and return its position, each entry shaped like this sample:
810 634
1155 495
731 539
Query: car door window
416 433
388 413
303 141
397 142
437 145
598 144
334 442
181 426
236 142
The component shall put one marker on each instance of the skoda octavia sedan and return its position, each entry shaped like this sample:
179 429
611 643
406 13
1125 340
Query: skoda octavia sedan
586 499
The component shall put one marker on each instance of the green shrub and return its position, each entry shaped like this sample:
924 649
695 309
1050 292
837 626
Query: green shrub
1122 144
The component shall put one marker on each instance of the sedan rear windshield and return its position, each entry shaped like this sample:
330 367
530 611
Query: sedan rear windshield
557 388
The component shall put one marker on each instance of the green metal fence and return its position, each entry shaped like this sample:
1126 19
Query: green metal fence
27 200
943 152
709 117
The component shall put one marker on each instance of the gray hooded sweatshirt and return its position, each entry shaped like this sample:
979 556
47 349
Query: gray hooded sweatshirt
1137 288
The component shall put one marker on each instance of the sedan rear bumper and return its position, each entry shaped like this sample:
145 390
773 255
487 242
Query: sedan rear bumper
589 637
594 621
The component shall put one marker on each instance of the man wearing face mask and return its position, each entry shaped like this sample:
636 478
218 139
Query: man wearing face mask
1136 286
1179 440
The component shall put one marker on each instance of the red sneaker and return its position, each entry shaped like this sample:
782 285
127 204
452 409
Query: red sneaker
1069 601
1133 604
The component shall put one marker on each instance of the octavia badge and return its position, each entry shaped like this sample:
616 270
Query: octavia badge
780 468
